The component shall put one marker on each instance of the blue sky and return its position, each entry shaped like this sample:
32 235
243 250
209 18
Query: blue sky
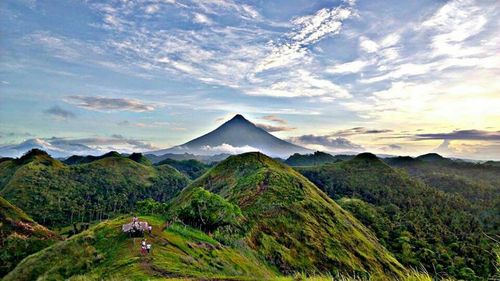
393 77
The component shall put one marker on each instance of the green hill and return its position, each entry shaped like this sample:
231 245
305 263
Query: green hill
54 193
285 219
20 236
418 223
317 158
190 167
259 220
103 252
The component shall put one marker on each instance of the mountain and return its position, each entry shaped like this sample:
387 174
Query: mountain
99 189
53 147
285 218
236 136
20 236
417 222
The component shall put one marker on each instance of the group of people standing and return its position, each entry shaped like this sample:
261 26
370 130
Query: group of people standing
145 246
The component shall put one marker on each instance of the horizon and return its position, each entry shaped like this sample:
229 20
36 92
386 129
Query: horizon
331 76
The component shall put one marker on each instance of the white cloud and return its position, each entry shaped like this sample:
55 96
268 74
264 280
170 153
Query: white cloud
110 104
202 19
348 67
368 45
227 148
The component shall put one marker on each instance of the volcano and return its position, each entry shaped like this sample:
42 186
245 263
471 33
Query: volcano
235 136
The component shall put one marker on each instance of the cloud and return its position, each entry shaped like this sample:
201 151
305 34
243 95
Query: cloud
59 112
468 150
307 30
151 9
274 118
348 67
327 142
227 148
110 104
274 128
359 131
201 19
64 147
462 135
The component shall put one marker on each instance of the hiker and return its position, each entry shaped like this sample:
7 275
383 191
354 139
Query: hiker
148 248
135 219
150 229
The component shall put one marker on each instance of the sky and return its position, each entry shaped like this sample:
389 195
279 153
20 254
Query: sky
390 77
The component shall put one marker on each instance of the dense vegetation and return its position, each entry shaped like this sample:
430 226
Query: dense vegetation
317 158
477 183
53 193
418 223
287 220
20 236
190 167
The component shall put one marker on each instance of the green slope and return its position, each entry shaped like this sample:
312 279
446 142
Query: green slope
420 224
103 252
84 192
289 221
20 236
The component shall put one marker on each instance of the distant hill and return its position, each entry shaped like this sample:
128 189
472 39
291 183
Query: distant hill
236 136
289 221
20 236
418 223
207 159
310 159
191 168
95 190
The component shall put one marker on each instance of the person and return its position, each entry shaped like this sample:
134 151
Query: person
143 242
148 248
135 219
150 229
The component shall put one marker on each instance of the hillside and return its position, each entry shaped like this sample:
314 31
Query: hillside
247 234
20 236
478 183
84 192
104 252
285 218
419 224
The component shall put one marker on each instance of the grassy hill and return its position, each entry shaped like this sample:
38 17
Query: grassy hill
420 224
104 252
20 236
84 192
248 218
284 218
